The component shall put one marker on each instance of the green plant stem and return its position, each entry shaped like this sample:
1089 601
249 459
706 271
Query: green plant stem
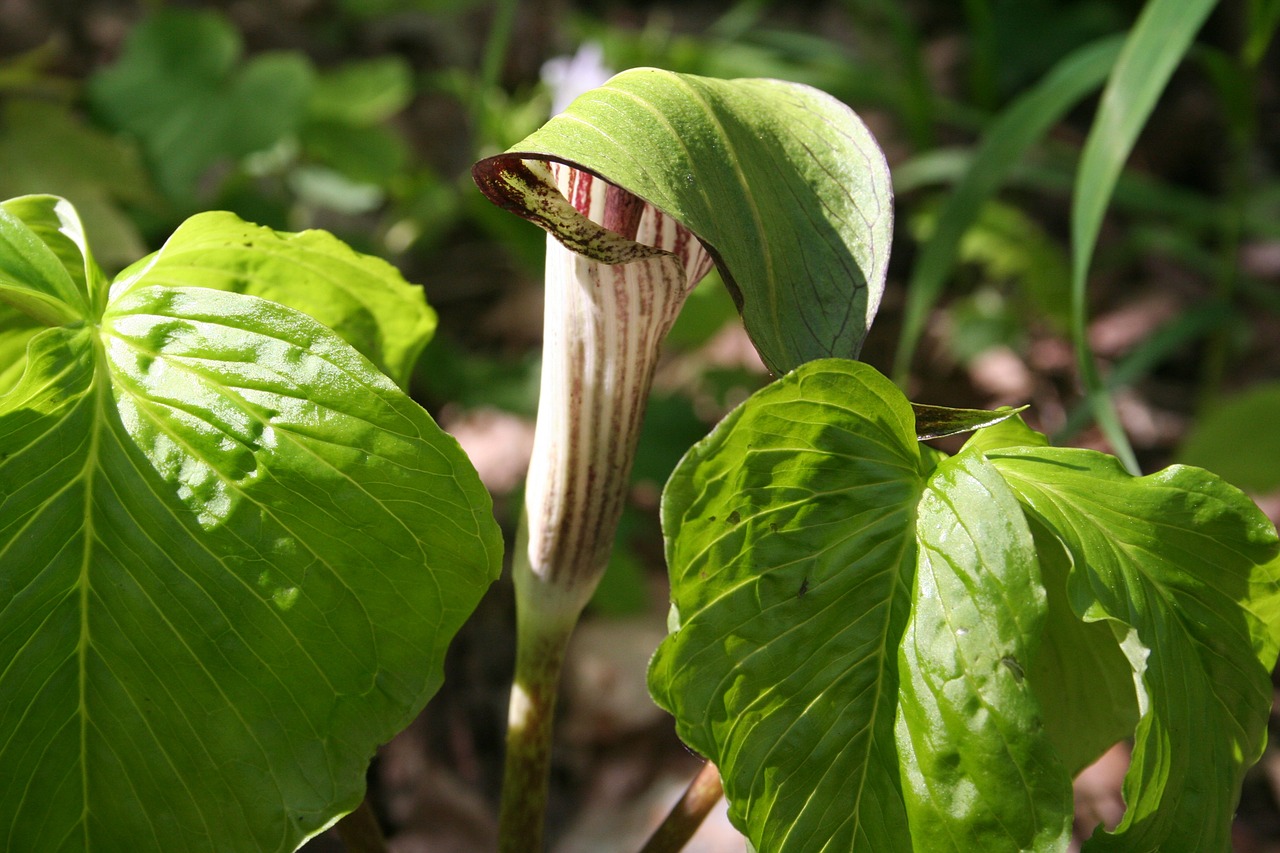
541 639
688 813
360 832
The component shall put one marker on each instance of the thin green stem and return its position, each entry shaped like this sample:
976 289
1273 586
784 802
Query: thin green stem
541 640
688 813
360 832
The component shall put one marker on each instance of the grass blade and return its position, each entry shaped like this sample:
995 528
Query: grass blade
1009 136
1154 47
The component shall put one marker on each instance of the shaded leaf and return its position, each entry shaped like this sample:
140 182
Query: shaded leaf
1085 685
16 330
1083 681
782 183
940 421
46 149
1238 440
362 93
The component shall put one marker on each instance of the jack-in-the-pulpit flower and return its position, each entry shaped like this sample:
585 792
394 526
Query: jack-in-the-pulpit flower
785 188
617 272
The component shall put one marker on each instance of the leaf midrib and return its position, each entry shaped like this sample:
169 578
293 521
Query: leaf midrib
99 391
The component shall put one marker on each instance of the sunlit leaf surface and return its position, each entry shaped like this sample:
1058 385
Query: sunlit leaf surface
362 298
1184 567
791 545
979 770
1017 608
231 556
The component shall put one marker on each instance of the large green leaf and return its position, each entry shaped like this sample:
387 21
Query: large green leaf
362 298
791 545
16 331
1184 567
782 183
231 556
1085 685
979 770
1056 604
44 267
181 89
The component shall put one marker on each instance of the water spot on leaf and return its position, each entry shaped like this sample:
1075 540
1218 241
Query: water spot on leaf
284 547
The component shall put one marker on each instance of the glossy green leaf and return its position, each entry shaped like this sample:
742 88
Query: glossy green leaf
782 183
232 554
1238 440
44 275
979 770
1155 46
180 88
1056 605
1083 681
1002 146
45 271
791 543
1085 685
16 331
1185 569
1010 432
362 298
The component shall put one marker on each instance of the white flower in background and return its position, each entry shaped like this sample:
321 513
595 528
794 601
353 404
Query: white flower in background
569 76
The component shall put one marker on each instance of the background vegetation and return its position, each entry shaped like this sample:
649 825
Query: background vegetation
364 116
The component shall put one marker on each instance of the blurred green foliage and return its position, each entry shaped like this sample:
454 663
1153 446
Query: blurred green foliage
363 117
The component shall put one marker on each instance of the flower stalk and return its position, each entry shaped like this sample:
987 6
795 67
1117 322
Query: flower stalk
617 272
